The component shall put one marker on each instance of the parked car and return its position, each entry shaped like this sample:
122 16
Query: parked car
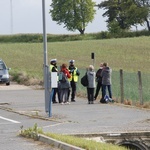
4 73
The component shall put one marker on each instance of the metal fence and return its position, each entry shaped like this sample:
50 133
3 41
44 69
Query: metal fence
131 86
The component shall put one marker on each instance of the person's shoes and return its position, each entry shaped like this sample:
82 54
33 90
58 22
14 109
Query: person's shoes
89 102
62 103
111 100
67 103
72 100
54 102
92 102
94 98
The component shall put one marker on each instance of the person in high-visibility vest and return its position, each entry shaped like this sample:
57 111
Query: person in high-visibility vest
73 80
53 68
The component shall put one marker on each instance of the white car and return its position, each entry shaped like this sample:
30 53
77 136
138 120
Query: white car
4 73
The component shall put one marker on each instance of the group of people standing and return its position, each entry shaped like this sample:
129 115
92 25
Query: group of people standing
67 81
68 78
103 79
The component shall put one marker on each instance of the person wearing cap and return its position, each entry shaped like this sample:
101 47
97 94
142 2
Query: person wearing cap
53 68
73 80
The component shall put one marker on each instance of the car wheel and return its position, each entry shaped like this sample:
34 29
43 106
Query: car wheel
8 83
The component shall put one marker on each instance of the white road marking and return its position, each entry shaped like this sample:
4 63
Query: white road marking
10 120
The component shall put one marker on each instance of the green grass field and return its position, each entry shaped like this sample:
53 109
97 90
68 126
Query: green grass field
129 54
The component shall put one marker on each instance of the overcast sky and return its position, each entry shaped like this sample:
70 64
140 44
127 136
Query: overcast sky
26 17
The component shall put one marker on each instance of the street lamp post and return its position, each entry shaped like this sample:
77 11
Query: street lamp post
46 68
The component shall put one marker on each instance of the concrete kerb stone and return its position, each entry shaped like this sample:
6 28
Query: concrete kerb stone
56 143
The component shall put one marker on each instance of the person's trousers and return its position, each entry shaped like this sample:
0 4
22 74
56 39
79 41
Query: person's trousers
98 87
56 91
64 95
104 91
90 94
72 90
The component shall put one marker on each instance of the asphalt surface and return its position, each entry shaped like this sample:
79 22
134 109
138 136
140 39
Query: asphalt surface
77 118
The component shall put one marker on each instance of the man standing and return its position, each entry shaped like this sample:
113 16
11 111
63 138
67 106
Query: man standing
98 80
53 68
73 80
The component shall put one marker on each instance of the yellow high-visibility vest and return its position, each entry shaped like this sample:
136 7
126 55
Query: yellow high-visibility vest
51 67
74 76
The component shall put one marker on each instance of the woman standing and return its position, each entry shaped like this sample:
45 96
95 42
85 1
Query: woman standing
64 84
91 84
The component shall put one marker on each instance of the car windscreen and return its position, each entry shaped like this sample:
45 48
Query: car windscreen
2 66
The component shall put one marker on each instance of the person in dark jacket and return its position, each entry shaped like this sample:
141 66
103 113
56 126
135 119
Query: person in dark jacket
91 84
106 81
98 80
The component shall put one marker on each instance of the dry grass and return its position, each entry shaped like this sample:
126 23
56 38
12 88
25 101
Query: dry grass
127 102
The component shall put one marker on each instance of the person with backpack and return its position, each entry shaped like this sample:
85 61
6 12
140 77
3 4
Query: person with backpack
91 84
106 82
98 80
64 84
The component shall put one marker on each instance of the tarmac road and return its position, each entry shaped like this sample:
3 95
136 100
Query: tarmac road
76 118
11 122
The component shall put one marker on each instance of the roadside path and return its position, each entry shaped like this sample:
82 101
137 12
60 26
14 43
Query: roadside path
78 117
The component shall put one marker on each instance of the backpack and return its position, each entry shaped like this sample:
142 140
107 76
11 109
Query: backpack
84 80
62 77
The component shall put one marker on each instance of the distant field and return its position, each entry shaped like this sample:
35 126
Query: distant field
129 54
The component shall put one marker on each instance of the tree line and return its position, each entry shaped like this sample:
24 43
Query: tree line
121 14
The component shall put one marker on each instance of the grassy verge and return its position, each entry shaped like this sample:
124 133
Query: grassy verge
76 141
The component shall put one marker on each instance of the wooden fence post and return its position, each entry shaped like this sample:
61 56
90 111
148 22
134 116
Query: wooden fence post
121 86
140 88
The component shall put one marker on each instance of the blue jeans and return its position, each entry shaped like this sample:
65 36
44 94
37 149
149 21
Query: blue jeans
104 91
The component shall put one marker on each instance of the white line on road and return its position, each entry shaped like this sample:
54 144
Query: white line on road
13 121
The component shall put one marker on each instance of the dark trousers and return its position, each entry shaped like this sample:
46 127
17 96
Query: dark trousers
72 90
64 95
56 91
98 87
90 94
104 91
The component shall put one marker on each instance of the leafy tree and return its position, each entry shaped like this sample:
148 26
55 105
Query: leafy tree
146 4
114 28
74 14
126 12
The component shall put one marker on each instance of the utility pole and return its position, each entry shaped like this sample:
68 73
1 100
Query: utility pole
45 66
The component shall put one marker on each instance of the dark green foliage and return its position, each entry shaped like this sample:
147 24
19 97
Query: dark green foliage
126 13
38 38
